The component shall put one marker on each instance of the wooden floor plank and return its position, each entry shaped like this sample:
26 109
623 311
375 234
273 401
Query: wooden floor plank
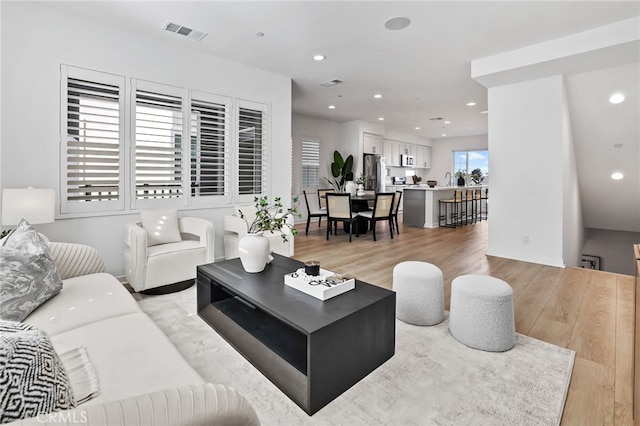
624 340
595 331
590 399
564 304
589 311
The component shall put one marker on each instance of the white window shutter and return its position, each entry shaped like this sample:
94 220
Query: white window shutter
252 149
158 144
209 149
92 141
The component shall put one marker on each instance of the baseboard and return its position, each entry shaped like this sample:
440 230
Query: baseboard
531 259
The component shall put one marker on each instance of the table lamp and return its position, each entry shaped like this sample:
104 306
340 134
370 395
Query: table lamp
32 204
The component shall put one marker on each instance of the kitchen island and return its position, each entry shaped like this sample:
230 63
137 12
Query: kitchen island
421 204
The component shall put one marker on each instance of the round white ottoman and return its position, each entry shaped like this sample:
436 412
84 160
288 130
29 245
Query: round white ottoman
481 313
419 293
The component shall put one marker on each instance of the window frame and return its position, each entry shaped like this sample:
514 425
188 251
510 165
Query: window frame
266 144
162 202
467 171
213 200
315 141
69 207
127 90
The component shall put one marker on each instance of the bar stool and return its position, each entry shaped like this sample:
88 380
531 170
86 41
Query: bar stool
452 210
485 198
469 214
477 198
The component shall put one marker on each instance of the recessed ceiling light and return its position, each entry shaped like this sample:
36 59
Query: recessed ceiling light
417 128
377 96
471 104
616 98
484 112
381 118
319 58
397 23
447 122
332 107
444 134
617 176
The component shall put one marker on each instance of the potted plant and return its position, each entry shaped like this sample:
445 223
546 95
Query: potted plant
341 171
360 183
254 246
461 175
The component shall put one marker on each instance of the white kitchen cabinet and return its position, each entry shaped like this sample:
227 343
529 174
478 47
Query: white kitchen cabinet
423 157
391 153
372 144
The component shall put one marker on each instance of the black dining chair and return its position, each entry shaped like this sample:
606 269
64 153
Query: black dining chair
394 211
382 206
322 199
339 210
320 213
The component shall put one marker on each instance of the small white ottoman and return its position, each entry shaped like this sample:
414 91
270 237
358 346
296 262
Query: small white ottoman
419 293
481 313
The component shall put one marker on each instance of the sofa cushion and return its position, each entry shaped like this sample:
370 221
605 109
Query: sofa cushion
131 356
28 275
161 226
84 300
32 378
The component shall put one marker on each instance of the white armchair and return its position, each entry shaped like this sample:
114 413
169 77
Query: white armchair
150 267
235 228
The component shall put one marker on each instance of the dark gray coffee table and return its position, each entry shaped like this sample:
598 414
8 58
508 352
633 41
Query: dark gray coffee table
312 350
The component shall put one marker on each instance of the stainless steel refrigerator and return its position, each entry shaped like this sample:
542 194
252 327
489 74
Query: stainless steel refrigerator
374 172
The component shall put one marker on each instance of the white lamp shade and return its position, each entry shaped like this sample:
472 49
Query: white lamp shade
33 205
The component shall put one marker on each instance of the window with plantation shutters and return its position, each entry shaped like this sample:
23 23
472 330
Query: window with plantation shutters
158 141
252 148
209 145
92 141
310 163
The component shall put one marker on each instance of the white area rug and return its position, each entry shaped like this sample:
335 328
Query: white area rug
431 380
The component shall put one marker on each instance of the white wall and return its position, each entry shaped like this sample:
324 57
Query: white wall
615 249
328 133
31 104
442 155
526 134
572 223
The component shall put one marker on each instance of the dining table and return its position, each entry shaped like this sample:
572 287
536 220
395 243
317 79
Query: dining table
360 203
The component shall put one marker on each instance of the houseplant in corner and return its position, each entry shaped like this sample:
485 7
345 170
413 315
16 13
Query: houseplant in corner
254 248
341 171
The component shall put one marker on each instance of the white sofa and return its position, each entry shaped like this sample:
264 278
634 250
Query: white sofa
142 378
165 264
235 228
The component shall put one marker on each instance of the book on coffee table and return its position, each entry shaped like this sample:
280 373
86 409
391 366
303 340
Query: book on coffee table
323 286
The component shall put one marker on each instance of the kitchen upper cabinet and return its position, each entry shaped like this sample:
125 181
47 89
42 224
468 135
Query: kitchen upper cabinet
423 157
372 144
407 148
391 153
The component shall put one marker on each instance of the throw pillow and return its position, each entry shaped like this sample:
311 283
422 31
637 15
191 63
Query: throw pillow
28 275
161 226
33 380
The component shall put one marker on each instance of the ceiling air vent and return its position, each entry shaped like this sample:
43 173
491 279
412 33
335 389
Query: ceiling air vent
331 82
188 32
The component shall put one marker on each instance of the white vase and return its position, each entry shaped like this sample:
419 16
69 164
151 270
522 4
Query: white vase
254 252
360 191
351 187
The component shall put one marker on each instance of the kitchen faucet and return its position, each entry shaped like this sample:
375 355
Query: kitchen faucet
449 180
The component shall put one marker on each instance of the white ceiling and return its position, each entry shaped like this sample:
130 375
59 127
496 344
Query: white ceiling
422 71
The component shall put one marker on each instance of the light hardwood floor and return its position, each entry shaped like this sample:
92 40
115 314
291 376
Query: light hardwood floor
590 312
